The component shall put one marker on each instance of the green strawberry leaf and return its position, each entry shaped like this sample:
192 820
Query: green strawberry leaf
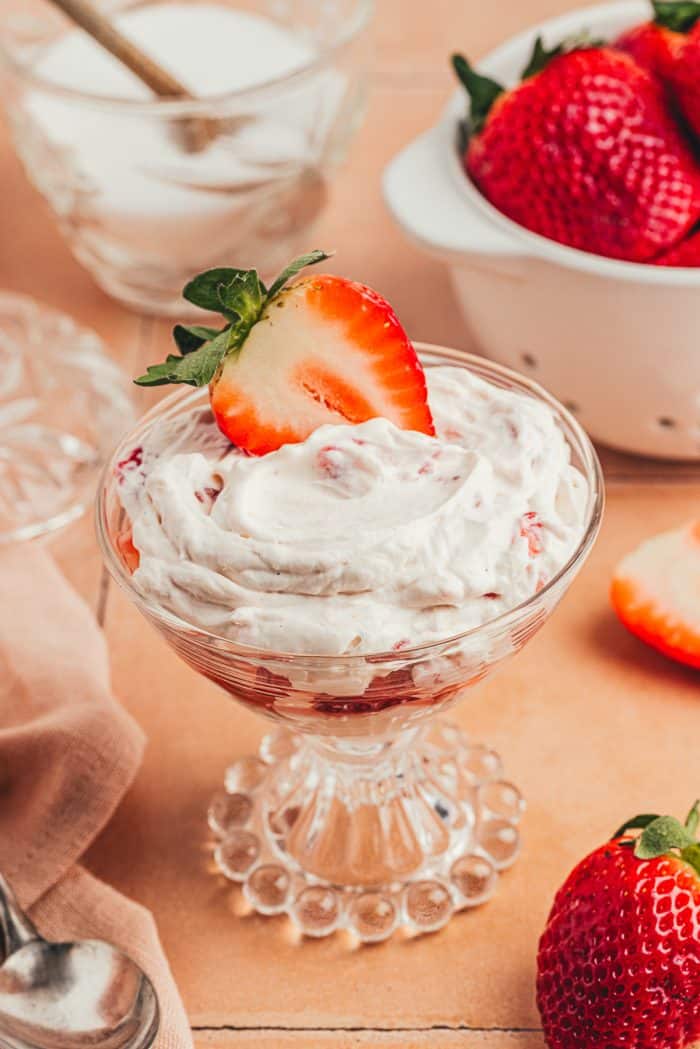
189 337
293 268
205 289
693 819
242 297
196 368
540 58
691 855
661 836
482 92
677 15
637 823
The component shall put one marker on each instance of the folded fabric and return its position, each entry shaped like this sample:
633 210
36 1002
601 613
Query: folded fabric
68 753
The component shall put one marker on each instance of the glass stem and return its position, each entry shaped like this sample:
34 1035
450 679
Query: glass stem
361 812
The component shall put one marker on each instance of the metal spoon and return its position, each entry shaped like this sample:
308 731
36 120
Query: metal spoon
69 995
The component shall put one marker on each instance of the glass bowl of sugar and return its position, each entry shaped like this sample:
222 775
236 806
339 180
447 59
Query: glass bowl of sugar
143 199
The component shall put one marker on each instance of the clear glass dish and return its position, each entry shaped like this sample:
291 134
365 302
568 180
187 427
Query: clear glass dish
361 810
63 404
141 212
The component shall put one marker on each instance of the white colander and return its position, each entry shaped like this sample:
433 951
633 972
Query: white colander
617 342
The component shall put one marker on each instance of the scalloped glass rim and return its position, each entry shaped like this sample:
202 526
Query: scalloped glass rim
485 369
169 108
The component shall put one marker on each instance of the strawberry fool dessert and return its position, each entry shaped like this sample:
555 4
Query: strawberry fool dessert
318 537
334 498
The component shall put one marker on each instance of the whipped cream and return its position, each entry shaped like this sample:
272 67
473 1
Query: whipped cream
362 538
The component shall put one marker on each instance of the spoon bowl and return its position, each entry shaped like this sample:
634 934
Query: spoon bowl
70 995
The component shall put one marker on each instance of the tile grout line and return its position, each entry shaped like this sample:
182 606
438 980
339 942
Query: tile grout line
235 1028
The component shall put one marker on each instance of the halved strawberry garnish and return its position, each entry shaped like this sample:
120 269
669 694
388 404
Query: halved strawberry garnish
656 593
326 350
291 359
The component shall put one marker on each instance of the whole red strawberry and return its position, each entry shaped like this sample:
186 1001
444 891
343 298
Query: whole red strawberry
669 48
584 151
652 46
685 76
619 961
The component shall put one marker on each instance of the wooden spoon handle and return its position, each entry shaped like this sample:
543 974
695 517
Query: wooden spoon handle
197 132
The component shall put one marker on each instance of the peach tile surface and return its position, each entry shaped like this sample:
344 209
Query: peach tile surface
430 1039
591 726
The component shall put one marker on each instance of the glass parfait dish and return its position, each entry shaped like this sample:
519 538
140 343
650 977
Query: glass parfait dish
363 809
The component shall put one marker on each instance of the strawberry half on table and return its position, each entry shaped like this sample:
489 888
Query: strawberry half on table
619 961
291 358
669 47
584 151
656 593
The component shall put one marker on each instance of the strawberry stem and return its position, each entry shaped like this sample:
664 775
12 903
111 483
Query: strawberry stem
482 92
664 836
677 15
661 836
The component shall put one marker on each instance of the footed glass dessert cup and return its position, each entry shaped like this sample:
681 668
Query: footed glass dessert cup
363 809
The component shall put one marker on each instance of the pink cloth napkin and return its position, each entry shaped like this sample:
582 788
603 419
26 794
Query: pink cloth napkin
68 753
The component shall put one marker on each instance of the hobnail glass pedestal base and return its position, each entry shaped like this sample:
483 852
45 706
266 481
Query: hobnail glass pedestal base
368 837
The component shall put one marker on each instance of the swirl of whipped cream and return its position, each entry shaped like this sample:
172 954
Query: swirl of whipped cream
362 538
